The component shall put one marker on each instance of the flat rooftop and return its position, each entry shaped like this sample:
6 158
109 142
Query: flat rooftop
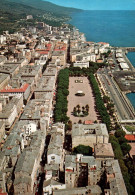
36 109
86 130
102 150
46 84
50 71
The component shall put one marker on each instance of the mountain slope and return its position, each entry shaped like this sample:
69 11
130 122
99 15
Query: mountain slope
13 14
17 9
47 6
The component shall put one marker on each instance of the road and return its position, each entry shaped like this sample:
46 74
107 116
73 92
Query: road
124 111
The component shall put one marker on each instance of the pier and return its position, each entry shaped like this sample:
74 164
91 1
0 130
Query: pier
128 62
127 49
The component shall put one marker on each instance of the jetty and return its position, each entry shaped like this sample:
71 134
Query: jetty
127 49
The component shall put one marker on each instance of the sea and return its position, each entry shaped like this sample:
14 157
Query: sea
114 27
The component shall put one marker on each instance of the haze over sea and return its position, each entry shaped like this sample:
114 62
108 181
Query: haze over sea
114 27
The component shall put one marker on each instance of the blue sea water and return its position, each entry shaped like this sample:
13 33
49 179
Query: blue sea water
114 27
131 57
131 97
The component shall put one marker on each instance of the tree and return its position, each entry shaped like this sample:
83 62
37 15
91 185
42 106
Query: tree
106 99
125 148
122 140
113 138
81 149
60 111
120 133
78 106
80 121
117 126
87 107
110 106
99 102
83 108
74 110
79 111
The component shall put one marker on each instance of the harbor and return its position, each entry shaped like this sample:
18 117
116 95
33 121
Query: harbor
118 80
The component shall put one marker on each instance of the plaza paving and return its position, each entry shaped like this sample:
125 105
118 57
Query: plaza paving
82 101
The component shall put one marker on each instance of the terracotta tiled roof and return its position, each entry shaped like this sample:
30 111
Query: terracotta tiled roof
88 122
42 52
99 61
103 43
20 90
60 48
4 193
130 137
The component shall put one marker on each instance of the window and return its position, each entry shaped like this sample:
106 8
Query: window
52 157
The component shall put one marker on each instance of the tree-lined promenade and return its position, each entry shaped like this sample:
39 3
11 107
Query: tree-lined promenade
61 108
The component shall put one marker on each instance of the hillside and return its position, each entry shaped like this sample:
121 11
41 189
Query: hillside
17 9
47 6
13 14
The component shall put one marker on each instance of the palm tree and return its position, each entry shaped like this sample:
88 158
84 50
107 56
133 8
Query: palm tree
78 106
74 110
78 111
87 107
83 108
80 121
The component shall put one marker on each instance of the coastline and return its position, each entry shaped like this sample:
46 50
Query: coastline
87 38
106 26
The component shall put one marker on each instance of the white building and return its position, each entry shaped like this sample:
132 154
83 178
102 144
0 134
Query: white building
93 58
124 66
51 185
81 64
2 39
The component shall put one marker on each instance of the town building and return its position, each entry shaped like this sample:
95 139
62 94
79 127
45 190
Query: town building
46 85
103 151
81 64
9 69
89 135
4 80
38 110
23 90
2 130
56 152
90 190
28 165
51 70
51 185
81 171
11 106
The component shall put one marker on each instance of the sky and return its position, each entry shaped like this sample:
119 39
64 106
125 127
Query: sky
97 4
